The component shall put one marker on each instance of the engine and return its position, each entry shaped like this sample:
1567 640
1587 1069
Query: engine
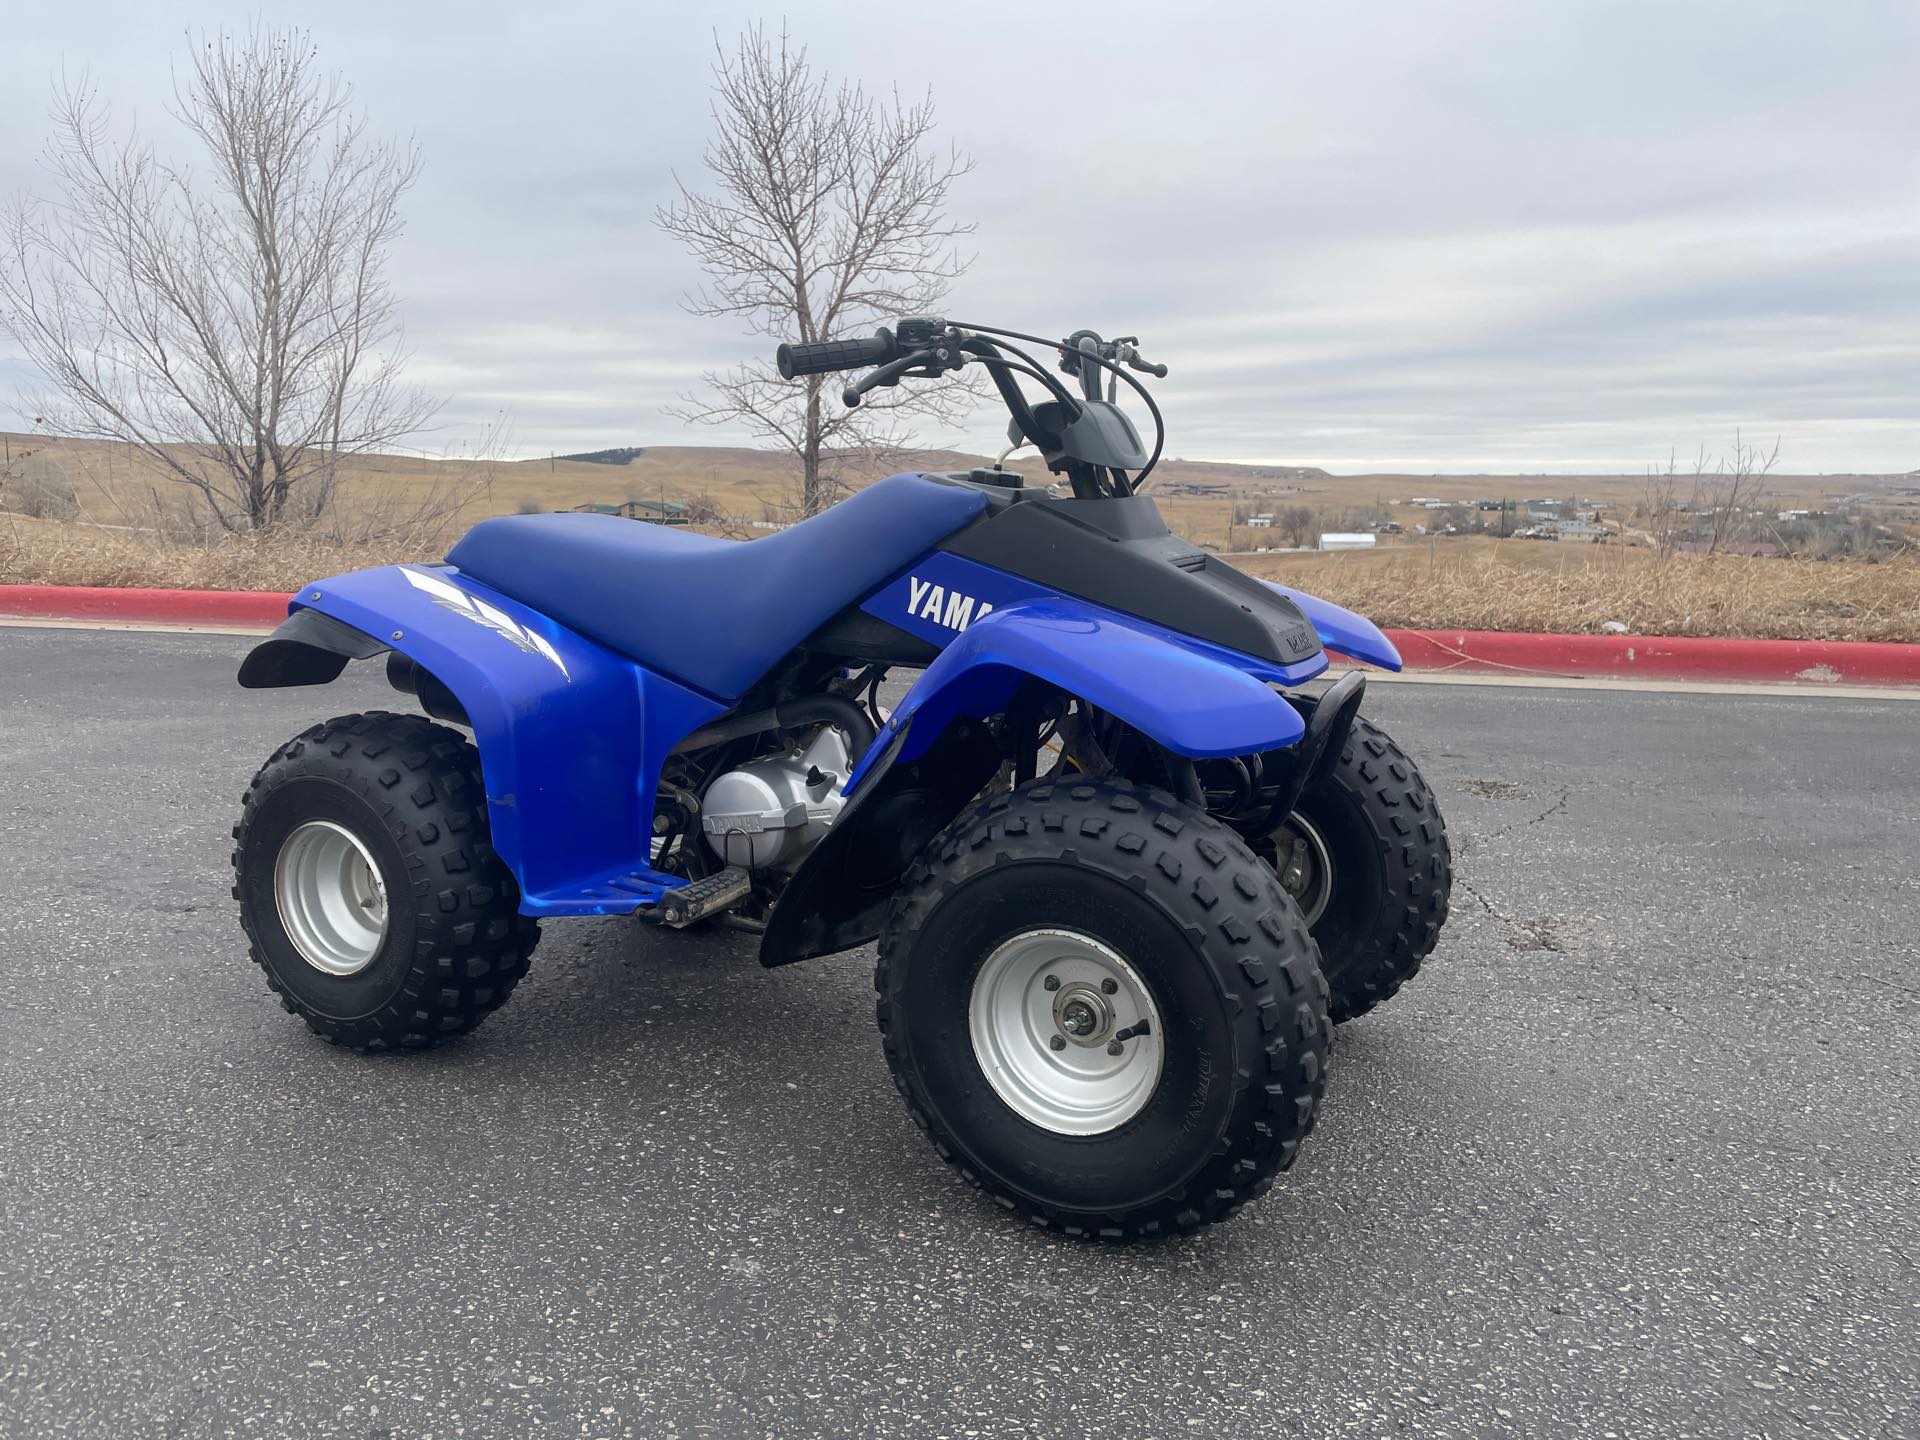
766 815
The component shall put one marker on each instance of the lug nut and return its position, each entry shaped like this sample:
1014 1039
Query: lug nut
1109 986
1052 982
1116 1048
1057 1042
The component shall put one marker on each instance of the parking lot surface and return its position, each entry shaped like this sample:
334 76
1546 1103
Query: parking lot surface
1636 1156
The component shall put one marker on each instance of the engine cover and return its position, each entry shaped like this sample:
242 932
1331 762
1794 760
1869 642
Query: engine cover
768 814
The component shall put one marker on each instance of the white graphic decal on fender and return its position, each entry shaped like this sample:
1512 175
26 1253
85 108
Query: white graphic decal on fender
452 597
947 608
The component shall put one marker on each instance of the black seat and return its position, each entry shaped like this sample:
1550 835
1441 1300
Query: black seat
715 614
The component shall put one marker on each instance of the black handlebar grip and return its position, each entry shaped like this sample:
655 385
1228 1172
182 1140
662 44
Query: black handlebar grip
825 356
1159 372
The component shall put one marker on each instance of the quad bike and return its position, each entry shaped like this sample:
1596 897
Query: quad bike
1123 872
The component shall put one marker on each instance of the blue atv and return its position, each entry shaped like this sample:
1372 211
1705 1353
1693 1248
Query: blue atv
1123 871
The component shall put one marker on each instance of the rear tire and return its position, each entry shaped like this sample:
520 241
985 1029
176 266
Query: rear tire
369 890
1189 925
1374 827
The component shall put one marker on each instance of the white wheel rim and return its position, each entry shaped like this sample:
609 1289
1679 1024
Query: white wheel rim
332 900
1304 867
1047 1051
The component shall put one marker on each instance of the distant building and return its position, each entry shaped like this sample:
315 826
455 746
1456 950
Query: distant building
1260 522
1336 540
654 512
1579 530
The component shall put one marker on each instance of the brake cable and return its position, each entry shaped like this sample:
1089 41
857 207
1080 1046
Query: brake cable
1159 421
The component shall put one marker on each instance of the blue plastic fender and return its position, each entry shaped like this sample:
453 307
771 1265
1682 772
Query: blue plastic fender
571 735
1193 702
1340 629
1193 697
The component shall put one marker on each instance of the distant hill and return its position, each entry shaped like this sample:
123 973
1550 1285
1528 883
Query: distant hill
625 456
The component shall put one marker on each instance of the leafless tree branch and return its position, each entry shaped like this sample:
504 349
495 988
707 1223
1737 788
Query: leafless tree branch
828 215
235 327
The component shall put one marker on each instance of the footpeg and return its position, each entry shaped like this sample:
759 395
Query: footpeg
706 896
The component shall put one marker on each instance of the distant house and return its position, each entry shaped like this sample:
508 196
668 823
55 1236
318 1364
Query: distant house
1579 530
1260 522
654 512
1338 540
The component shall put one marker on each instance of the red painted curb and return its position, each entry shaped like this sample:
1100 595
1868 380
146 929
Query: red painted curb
1661 657
231 608
1646 657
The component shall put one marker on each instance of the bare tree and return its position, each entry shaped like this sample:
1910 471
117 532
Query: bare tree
235 327
1665 510
828 216
1728 498
1297 522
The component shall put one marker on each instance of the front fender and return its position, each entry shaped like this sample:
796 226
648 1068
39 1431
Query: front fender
571 735
1192 698
1340 629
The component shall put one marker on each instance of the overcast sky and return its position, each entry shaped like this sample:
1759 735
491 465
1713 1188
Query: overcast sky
1494 235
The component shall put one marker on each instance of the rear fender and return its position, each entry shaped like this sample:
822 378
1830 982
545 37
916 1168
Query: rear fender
571 735
1340 629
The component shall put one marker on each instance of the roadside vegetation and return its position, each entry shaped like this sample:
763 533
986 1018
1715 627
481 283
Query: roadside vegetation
1468 583
1511 585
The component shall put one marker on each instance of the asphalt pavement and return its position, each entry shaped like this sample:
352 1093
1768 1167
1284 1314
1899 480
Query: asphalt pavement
1635 1157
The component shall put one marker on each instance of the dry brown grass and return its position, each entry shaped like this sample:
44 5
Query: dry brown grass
1454 583
44 552
1516 586
1513 586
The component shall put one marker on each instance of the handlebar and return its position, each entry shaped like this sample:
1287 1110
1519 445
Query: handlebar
928 346
1119 349
825 356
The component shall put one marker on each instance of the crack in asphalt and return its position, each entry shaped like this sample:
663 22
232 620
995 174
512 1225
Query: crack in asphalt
1522 935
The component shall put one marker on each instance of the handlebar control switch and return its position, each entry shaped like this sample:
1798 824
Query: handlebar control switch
919 332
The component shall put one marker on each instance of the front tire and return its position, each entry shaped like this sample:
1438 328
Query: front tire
1365 854
1031 938
369 891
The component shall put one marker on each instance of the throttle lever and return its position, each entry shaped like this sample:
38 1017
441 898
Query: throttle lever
1124 350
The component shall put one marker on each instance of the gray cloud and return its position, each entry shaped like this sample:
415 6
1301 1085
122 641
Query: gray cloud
1488 235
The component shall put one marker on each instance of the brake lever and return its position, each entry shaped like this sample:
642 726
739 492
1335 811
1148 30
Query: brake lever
928 363
887 374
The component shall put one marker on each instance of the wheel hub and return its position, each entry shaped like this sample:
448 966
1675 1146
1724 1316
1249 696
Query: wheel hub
1066 1032
331 897
1303 865
1083 1015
